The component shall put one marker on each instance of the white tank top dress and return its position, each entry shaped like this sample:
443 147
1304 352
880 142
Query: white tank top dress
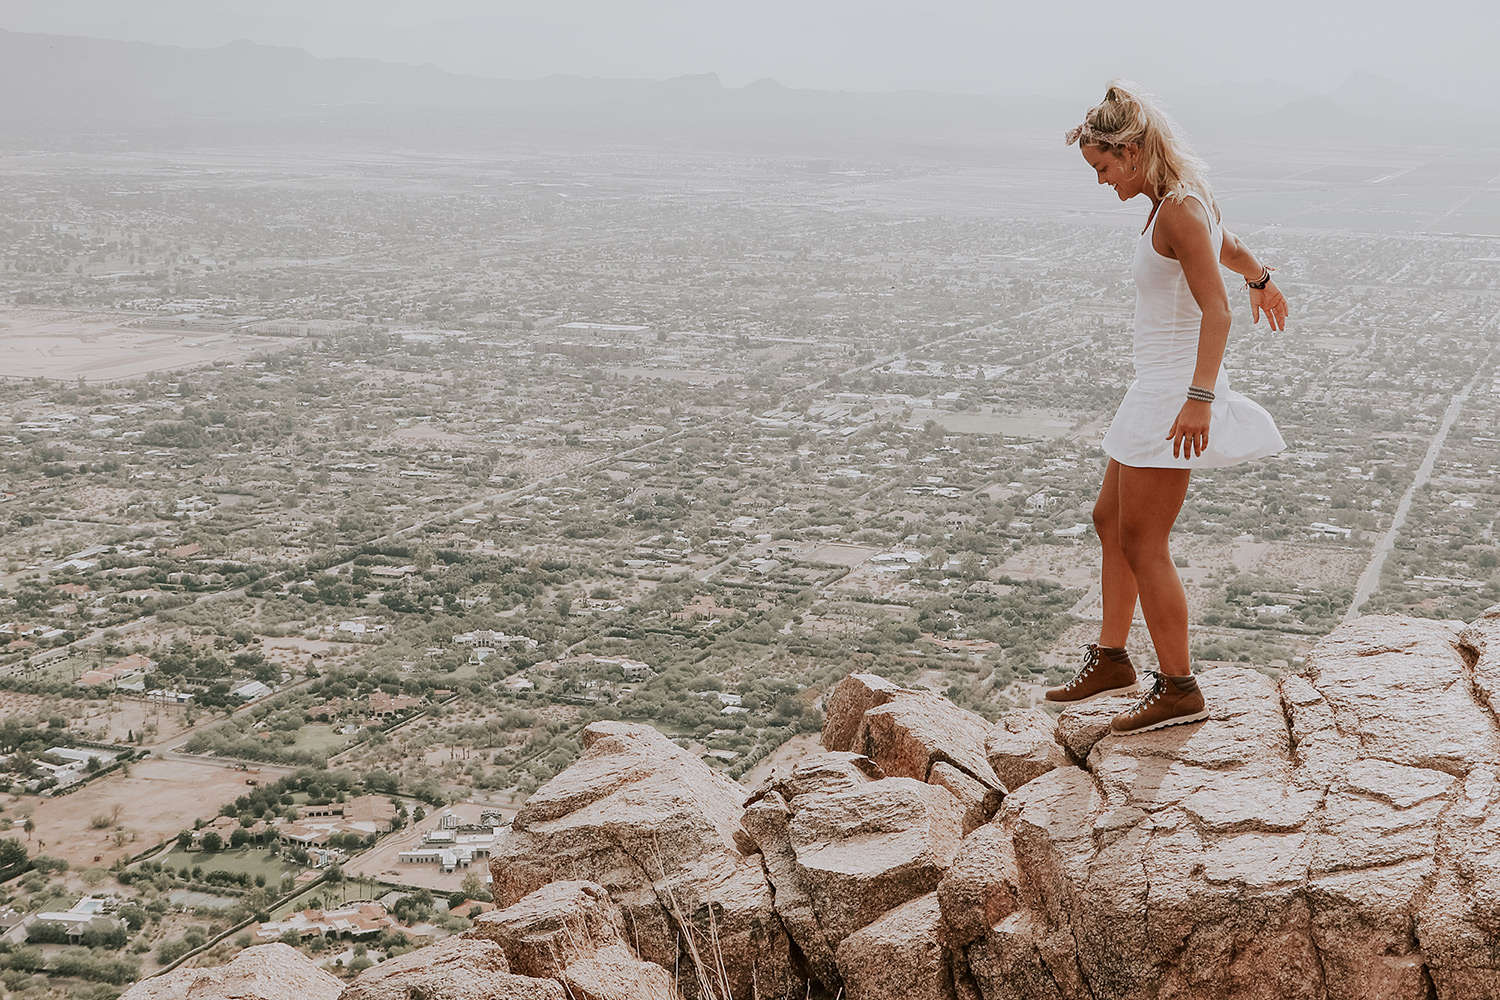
1167 319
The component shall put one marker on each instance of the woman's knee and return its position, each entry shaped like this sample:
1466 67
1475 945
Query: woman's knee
1107 520
1142 546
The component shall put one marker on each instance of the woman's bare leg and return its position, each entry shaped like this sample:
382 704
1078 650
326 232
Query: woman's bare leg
1116 581
1150 500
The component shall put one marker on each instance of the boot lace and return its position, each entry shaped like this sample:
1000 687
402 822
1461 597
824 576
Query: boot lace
1148 698
1090 661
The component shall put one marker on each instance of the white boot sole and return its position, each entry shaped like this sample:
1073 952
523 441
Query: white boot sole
1181 720
1111 693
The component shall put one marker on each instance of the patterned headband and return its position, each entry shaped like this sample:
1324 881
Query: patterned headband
1089 135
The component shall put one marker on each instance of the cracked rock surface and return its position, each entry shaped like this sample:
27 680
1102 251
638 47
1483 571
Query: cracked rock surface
265 972
1331 835
454 969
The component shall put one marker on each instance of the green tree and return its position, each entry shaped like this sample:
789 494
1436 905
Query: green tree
473 888
12 854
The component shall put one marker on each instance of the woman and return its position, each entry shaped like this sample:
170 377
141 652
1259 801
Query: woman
1179 415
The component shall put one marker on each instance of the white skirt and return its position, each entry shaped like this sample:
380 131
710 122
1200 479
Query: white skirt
1239 430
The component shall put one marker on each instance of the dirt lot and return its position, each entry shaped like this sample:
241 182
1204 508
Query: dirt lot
793 750
1069 565
868 579
293 653
1314 565
156 800
66 345
101 721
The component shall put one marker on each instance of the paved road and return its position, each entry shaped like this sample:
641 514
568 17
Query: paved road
250 766
1370 578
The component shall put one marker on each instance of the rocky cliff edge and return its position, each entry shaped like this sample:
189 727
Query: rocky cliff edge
1328 835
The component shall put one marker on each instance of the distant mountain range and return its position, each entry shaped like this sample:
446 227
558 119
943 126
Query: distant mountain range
68 83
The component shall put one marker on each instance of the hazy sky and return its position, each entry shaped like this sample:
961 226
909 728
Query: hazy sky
1440 47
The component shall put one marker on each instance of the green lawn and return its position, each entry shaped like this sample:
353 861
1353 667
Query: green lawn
320 736
250 860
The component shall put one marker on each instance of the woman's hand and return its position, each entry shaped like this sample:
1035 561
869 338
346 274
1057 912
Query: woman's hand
1270 301
1189 433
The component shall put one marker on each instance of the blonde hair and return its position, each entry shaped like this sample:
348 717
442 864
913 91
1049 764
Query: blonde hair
1128 116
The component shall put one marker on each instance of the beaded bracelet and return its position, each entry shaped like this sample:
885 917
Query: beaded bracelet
1200 394
1260 283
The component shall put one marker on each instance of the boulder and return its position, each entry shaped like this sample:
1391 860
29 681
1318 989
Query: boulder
846 705
979 801
571 932
820 772
842 848
899 956
1407 689
981 887
454 969
1327 835
265 972
656 828
766 821
615 973
544 931
1479 643
914 734
867 849
1080 728
1024 745
909 734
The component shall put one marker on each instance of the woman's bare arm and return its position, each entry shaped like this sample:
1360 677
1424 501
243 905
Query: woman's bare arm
1237 257
1183 227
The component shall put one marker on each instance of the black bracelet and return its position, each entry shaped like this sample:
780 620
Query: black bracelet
1200 394
1260 283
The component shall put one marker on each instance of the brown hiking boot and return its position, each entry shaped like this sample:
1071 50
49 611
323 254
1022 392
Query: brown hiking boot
1100 676
1171 701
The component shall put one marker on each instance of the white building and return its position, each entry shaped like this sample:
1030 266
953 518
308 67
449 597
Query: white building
454 845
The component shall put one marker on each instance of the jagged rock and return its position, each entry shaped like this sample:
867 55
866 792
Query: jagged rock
766 821
844 711
979 801
1024 745
864 850
862 844
1330 835
1479 643
899 956
265 972
656 827
981 887
544 931
614 973
1325 836
913 734
907 735
454 969
820 772
1081 727
571 932
1407 690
